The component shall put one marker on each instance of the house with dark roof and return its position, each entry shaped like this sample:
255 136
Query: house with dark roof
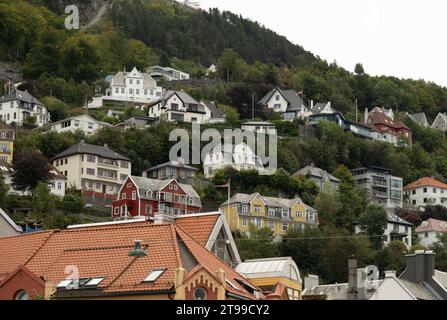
321 108
171 170
7 226
397 229
178 106
144 197
135 122
213 113
386 128
286 102
18 105
96 170
7 137
107 262
323 179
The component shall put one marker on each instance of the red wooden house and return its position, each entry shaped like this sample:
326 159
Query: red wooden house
140 196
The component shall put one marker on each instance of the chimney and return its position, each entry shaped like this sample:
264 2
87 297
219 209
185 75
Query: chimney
82 141
420 266
221 276
366 115
311 281
311 103
352 278
161 218
179 276
106 145
137 251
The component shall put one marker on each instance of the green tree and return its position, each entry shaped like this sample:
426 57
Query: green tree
392 257
373 222
259 244
165 61
4 189
230 66
57 108
30 168
44 204
359 69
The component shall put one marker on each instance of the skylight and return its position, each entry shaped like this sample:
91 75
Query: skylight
94 282
64 283
231 284
154 275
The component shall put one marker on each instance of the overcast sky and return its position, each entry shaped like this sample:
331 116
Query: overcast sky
403 38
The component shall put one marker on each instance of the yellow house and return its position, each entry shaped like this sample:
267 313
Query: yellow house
278 277
7 136
278 214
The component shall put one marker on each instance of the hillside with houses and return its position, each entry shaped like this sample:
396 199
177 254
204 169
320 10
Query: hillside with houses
87 176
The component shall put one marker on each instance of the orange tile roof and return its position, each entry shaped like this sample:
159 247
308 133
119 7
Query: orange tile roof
426 182
199 227
103 252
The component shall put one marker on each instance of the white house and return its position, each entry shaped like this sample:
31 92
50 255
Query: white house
134 87
322 108
260 127
430 230
286 102
170 74
83 122
440 122
178 106
426 191
57 184
397 229
18 105
242 157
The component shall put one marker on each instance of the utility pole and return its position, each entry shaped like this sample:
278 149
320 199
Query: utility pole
356 112
253 106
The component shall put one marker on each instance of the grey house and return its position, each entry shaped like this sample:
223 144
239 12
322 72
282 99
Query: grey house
171 170
383 188
324 180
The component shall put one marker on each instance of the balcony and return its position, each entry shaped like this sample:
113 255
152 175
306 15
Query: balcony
380 194
107 163
380 183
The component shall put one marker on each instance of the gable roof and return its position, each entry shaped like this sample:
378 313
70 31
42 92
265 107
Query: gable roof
377 117
441 115
216 113
426 182
10 221
269 201
392 218
145 184
198 226
79 116
420 118
295 103
172 164
24 96
432 225
103 251
316 172
85 148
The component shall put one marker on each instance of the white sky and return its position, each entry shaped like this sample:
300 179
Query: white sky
403 38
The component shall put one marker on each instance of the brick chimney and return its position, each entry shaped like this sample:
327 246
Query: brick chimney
352 278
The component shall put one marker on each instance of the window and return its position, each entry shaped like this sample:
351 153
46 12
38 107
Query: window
285 227
116 210
134 195
22 295
91 158
130 81
90 125
244 222
271 225
425 190
285 213
257 209
271 212
176 198
200 294
413 192
91 171
123 196
148 209
154 275
137 91
245 209
277 97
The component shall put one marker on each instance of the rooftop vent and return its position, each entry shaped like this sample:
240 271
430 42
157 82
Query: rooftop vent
137 250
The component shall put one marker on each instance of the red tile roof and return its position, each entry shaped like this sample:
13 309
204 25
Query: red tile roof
103 252
432 225
426 182
377 117
198 226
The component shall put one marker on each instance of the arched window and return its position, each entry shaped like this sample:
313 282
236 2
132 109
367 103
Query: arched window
22 295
